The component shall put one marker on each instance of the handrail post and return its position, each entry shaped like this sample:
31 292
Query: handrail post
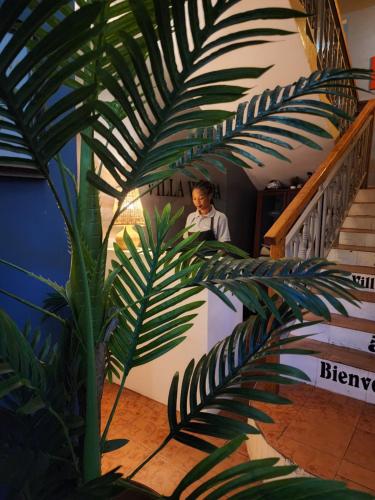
277 250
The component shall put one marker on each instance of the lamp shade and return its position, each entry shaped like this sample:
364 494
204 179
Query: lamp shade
132 210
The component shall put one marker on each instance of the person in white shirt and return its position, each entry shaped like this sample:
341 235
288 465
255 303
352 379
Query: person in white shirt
212 224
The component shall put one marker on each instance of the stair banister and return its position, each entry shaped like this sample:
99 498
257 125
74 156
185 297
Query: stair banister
325 29
310 223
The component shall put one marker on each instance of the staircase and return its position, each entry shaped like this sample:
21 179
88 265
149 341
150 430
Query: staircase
329 430
345 362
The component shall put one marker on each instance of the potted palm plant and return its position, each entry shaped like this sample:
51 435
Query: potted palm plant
51 386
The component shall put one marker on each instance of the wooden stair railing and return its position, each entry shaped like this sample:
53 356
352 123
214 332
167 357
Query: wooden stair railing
310 224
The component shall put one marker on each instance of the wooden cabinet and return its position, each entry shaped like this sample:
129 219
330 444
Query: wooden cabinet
270 204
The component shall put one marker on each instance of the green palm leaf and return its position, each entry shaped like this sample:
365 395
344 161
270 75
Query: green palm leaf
149 295
20 365
262 120
163 97
229 371
296 281
116 15
32 73
252 472
300 489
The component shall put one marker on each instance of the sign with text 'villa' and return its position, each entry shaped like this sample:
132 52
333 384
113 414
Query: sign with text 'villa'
173 188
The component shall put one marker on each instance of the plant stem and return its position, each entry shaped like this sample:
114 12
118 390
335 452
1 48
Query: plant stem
66 434
114 407
150 457
60 205
91 447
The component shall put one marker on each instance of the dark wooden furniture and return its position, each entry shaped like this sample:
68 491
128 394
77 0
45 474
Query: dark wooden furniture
270 204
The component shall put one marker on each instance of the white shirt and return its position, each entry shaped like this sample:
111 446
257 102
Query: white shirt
201 222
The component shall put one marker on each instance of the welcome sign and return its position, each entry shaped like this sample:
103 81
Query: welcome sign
329 371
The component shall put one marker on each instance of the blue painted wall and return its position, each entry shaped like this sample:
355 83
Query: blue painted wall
32 235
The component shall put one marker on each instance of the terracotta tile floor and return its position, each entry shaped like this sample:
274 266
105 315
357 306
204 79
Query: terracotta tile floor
327 434
145 423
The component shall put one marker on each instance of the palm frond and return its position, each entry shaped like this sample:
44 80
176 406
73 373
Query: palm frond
116 16
32 73
262 120
229 371
252 473
149 296
163 97
302 284
20 366
300 489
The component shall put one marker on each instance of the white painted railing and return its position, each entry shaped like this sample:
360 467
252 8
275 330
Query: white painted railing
317 228
310 224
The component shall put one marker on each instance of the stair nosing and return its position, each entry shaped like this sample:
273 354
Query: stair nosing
365 294
361 215
330 352
351 322
357 269
357 230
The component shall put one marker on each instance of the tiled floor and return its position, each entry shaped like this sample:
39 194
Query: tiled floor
326 434
145 423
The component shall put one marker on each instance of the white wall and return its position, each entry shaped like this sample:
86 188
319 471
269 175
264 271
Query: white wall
360 33
291 57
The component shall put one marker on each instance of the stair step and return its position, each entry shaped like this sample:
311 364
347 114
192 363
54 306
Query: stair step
364 208
362 275
355 248
364 295
352 256
360 221
356 333
358 324
352 236
339 354
338 369
358 269
365 195
363 310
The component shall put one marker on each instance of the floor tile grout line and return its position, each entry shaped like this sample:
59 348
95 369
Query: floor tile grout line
354 430
361 467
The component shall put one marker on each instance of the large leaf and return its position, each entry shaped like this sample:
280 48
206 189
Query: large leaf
23 368
229 371
116 15
161 97
249 477
262 120
295 281
149 293
32 73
